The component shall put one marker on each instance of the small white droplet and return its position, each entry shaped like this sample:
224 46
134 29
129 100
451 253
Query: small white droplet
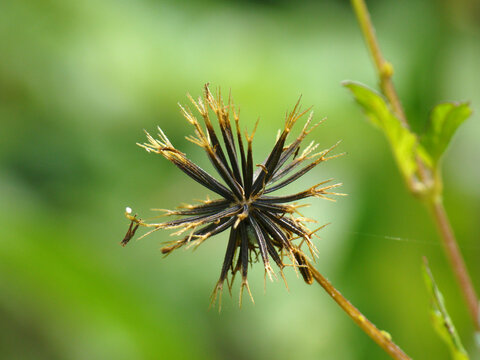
128 210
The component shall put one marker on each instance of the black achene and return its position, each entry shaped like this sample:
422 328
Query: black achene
259 223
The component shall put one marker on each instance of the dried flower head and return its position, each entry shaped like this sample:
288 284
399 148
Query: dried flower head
259 223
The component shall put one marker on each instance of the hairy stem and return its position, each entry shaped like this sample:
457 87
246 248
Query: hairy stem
385 72
382 338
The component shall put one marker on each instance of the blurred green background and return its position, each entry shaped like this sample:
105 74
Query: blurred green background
79 80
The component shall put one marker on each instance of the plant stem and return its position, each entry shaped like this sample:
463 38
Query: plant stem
384 68
385 72
382 338
456 260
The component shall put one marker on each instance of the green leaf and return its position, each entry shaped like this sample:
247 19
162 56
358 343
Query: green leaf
402 141
442 323
444 121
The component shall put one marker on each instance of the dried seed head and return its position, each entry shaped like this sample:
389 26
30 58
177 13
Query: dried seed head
260 225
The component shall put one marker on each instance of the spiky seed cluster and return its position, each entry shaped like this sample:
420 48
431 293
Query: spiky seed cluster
259 223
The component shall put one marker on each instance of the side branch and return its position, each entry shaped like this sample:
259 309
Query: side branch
385 72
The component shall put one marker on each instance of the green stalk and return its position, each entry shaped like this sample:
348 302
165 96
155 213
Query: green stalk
382 338
432 198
